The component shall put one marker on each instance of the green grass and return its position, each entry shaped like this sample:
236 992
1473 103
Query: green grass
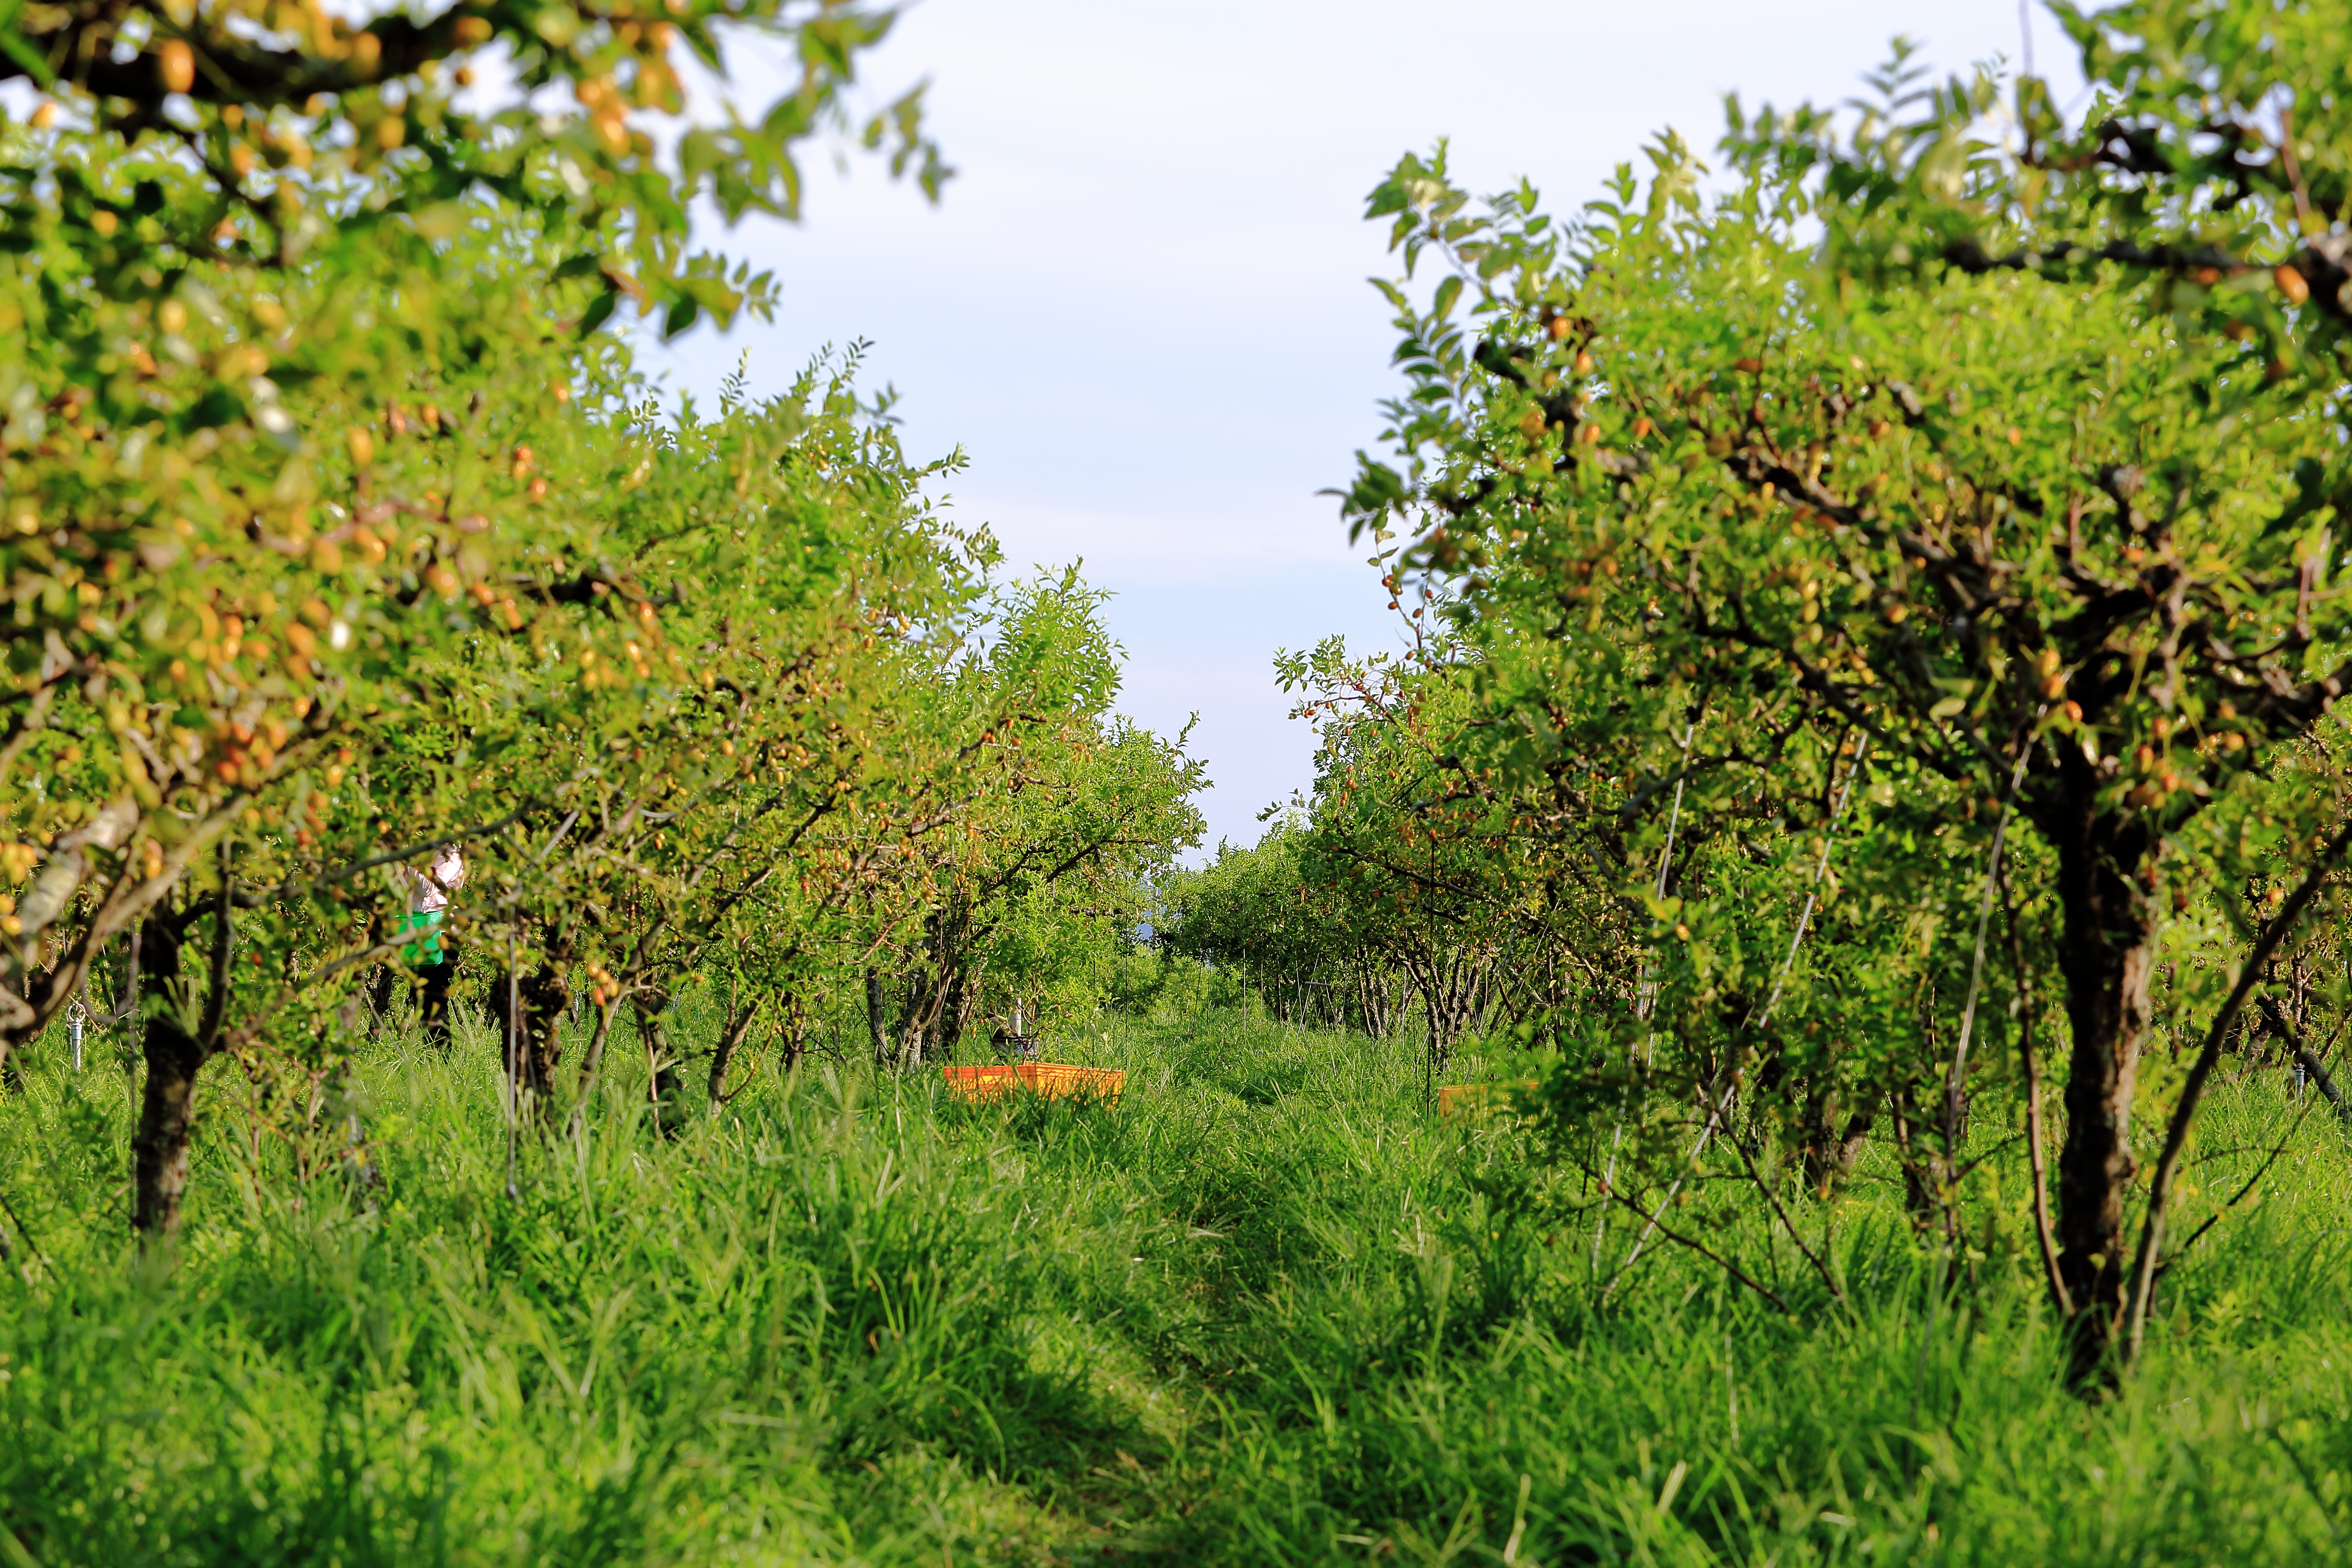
1267 1310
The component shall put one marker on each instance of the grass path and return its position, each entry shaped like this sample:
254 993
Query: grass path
1269 1309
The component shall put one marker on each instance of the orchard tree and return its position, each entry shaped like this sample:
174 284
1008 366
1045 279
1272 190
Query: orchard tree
304 401
1468 879
724 723
1957 439
1064 811
1251 914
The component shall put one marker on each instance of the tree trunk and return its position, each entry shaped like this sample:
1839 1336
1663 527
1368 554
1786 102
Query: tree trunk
1829 1149
1453 991
544 998
877 1035
915 1014
792 1035
663 1087
167 1110
730 1040
968 1005
1831 1134
591 1059
2107 953
1927 1167
1377 998
954 1007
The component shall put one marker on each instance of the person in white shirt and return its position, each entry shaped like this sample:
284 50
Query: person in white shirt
424 946
433 954
448 875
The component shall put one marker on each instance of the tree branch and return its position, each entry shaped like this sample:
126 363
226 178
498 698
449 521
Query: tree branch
2151 1240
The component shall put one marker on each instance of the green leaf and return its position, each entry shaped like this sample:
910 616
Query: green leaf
1449 291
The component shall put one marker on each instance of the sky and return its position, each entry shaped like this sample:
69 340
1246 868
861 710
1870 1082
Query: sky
1141 307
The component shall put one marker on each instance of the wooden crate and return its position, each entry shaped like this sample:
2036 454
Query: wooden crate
1053 1080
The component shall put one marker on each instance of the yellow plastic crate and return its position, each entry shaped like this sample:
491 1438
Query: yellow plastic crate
1052 1081
1469 1099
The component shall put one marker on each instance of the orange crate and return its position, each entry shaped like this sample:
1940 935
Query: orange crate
1051 1080
1469 1098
